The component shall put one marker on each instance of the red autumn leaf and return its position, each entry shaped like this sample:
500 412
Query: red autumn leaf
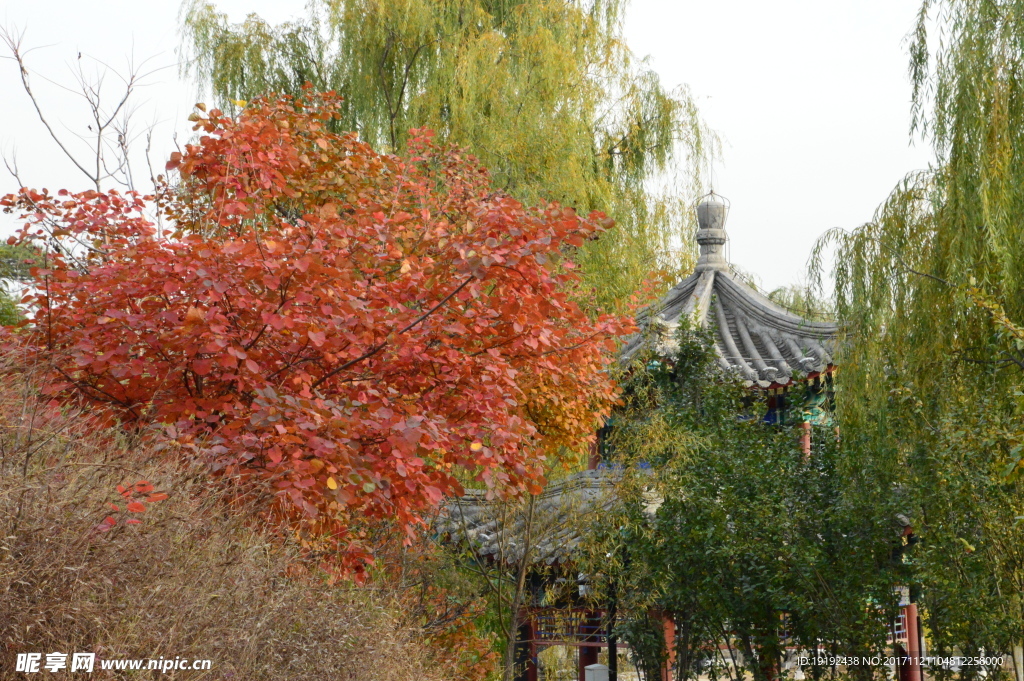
133 521
262 337
136 507
157 496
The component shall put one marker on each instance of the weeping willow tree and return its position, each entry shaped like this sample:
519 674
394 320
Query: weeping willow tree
544 92
932 291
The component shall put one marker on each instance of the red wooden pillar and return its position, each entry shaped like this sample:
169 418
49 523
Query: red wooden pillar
902 671
805 440
595 455
531 665
588 656
527 650
913 643
669 625
589 653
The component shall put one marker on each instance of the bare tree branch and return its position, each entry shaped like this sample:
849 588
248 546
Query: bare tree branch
108 137
13 42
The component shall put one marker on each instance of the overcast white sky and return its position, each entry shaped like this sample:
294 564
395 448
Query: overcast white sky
811 98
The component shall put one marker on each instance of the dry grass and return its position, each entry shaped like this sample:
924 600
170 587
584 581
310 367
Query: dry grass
192 581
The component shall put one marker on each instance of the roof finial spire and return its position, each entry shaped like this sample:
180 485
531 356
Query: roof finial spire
712 210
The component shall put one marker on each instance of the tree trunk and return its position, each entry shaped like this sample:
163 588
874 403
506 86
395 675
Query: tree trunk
517 595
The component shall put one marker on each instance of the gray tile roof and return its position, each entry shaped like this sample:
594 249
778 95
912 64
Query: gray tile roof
762 342
494 528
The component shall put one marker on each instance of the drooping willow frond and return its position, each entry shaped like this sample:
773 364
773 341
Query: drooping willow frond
544 93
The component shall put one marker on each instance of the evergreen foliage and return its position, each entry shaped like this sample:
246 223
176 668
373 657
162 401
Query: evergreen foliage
544 93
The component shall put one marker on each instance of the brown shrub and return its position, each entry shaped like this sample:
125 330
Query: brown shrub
194 580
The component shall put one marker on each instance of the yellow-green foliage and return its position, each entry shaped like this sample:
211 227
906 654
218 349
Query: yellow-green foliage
544 92
932 291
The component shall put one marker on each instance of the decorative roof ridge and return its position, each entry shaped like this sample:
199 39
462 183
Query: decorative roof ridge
587 479
753 301
755 337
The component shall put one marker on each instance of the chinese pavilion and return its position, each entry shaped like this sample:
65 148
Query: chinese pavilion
766 346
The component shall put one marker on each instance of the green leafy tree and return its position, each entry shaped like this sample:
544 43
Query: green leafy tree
932 290
9 312
544 93
15 263
744 542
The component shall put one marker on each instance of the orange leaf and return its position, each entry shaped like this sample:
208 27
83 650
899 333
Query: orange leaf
194 316
136 507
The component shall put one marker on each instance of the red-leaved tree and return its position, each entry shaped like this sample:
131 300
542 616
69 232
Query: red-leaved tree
359 329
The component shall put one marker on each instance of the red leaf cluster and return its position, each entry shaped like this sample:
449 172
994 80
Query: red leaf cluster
359 329
137 496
